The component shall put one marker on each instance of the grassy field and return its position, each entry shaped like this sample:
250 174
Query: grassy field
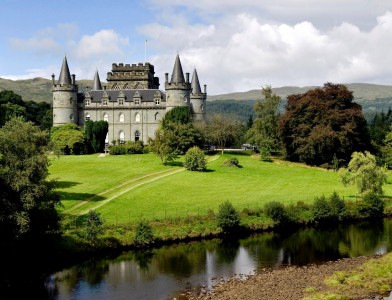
125 189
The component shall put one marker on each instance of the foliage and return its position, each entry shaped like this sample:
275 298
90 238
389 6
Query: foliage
161 145
40 114
129 147
93 226
144 234
231 162
372 206
321 209
67 139
363 172
338 206
183 136
228 218
177 115
277 212
321 123
96 132
222 130
380 126
195 160
264 131
27 200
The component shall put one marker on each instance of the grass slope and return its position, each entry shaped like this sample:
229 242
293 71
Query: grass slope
125 189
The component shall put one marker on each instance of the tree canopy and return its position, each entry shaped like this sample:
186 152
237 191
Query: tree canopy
27 201
323 125
67 139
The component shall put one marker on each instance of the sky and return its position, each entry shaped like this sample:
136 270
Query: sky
235 45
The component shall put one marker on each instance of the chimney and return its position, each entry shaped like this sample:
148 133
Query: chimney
53 82
187 77
73 79
205 89
166 77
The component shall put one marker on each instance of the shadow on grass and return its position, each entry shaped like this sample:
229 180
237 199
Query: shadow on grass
80 196
175 164
65 184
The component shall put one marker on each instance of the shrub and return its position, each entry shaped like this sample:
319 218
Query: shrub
338 207
127 148
277 212
372 206
232 162
228 218
144 234
93 226
321 209
195 160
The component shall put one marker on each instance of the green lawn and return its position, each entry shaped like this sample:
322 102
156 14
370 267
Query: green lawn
164 195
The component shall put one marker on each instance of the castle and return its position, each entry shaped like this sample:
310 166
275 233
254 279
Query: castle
131 103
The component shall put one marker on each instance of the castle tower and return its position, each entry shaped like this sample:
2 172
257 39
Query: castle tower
97 82
198 99
179 88
65 93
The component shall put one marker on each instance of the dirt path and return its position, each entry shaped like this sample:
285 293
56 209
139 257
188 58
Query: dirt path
288 283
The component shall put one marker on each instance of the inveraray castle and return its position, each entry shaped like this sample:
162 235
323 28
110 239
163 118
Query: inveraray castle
131 102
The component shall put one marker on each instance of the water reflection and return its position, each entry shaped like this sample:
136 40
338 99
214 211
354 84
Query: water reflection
163 273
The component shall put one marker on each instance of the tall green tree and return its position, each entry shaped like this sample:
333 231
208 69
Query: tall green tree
323 125
177 115
264 131
162 146
222 130
27 201
364 173
100 130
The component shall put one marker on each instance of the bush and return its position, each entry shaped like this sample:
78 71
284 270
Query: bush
372 206
144 234
321 209
338 207
232 162
228 218
127 148
93 226
277 212
195 160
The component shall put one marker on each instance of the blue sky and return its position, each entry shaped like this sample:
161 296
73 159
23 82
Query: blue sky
235 45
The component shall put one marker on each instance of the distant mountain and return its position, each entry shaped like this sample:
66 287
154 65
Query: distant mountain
372 97
364 91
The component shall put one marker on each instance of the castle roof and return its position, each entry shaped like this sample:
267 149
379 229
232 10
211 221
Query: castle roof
195 83
65 76
178 74
145 95
97 82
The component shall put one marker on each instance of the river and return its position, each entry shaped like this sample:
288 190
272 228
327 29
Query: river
167 272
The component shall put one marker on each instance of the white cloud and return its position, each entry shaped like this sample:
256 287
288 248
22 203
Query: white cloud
103 42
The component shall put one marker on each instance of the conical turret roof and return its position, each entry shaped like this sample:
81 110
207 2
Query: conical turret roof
178 74
97 82
195 83
65 76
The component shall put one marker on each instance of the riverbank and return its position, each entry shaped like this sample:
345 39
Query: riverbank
309 282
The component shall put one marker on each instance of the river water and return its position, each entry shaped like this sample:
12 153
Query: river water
167 272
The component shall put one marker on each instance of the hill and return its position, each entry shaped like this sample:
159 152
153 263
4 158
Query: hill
372 97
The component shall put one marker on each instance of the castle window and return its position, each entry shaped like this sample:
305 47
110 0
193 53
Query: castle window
157 101
157 116
87 102
120 101
115 87
137 135
121 118
106 117
88 117
127 86
71 116
122 137
137 118
105 102
137 101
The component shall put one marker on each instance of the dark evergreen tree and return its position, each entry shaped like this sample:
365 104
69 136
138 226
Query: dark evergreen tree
179 115
99 131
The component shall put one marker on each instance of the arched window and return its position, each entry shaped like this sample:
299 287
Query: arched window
121 118
88 117
137 135
107 138
122 137
106 117
137 118
157 116
71 116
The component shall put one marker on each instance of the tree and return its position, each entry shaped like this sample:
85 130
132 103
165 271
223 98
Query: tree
195 160
99 132
67 139
363 172
93 226
228 218
178 115
264 131
27 200
323 123
222 130
162 146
